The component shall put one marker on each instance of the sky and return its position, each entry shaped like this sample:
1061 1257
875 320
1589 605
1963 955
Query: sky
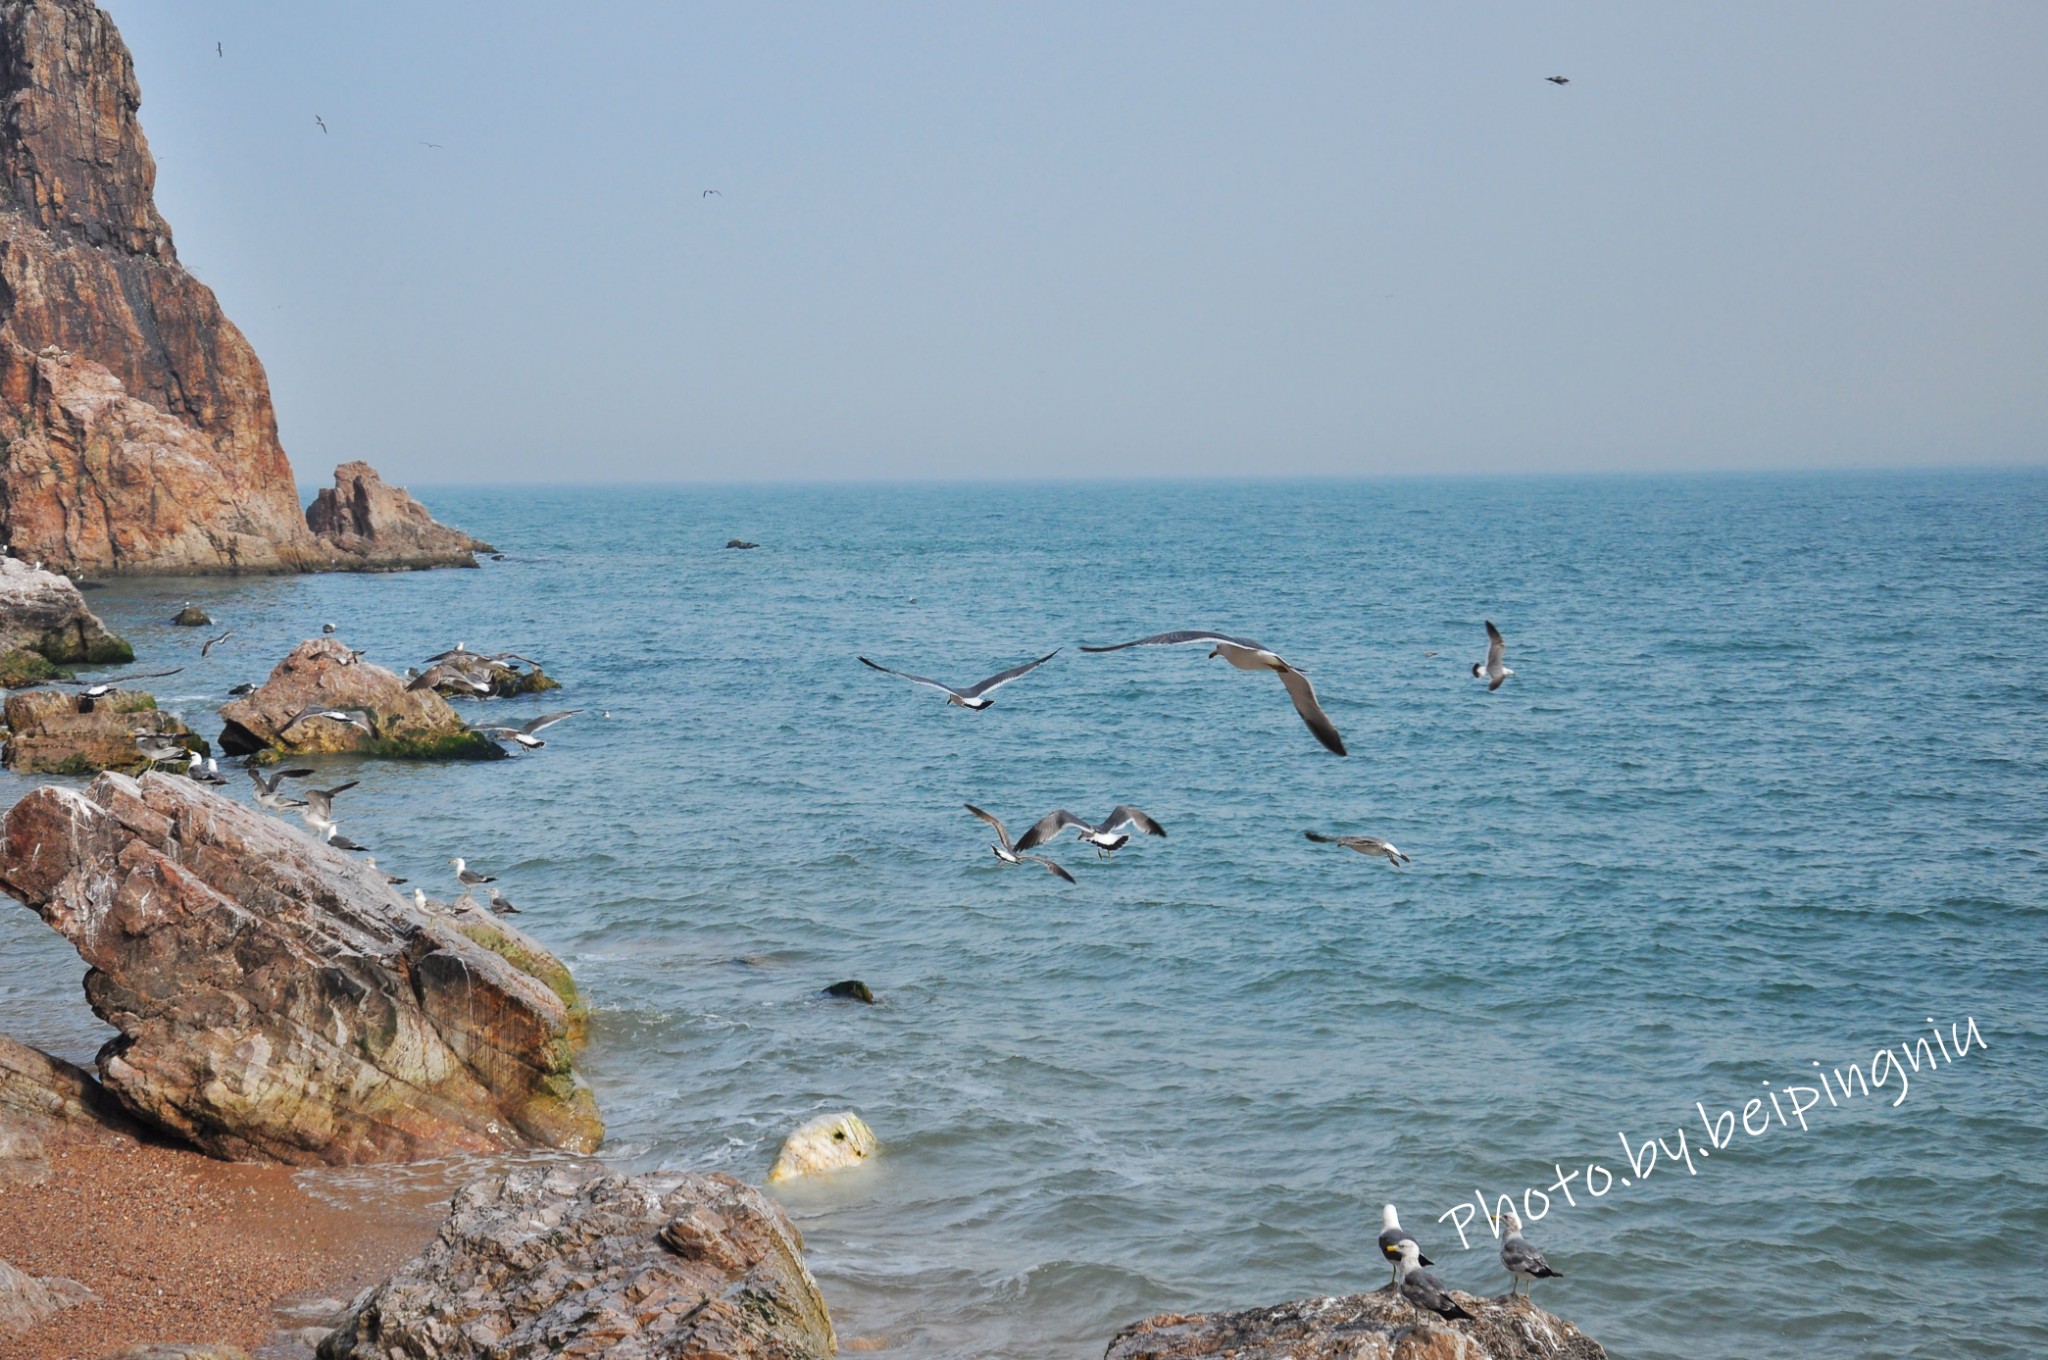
1115 240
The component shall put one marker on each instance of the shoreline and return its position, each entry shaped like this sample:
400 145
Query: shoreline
180 1248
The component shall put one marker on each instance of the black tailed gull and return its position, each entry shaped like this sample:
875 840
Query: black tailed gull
1102 835
1364 845
468 877
1392 1235
1492 671
1006 852
1523 1261
973 696
524 733
1247 655
1418 1286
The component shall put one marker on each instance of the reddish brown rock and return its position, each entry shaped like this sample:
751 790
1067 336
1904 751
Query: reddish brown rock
410 724
62 732
1375 1326
361 517
564 1262
136 430
26 1300
277 999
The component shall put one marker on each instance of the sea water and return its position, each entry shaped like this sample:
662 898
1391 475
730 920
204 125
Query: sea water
1768 788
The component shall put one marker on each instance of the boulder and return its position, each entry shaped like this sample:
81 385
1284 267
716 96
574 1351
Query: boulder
26 1300
179 1350
136 426
824 1145
192 616
404 723
61 732
44 624
277 999
1376 1326
566 1262
382 527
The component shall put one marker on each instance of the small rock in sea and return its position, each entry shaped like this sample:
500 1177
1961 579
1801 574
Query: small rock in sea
497 557
243 689
740 543
192 616
853 989
829 1143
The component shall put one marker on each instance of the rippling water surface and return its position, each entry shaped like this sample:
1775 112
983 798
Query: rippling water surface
1768 788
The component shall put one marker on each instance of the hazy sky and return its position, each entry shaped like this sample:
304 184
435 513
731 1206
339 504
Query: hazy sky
1116 239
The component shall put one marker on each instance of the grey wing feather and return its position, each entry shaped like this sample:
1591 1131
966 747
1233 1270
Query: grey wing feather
548 720
914 679
1175 639
1497 683
994 681
1496 647
1002 832
1054 868
1046 828
1522 1259
1123 814
1304 696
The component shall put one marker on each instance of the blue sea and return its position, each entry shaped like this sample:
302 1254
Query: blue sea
1769 788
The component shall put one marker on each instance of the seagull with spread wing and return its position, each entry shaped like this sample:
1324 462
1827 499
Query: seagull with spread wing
1247 655
1102 835
974 696
1007 852
524 733
1493 670
1364 845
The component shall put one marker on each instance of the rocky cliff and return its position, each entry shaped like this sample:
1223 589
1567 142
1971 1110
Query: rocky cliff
136 431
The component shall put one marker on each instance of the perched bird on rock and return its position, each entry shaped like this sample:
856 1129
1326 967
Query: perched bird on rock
1523 1261
468 877
1392 1235
502 904
1419 1287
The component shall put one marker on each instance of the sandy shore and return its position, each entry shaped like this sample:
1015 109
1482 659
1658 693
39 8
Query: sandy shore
181 1248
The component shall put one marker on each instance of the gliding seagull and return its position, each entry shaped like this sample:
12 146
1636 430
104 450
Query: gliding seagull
972 696
1492 671
1102 835
1006 852
1364 845
524 733
1247 655
318 811
267 789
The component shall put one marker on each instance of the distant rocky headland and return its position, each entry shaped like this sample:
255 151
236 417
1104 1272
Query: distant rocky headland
136 430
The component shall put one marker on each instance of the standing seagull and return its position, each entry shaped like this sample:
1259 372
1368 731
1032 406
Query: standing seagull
1418 1286
972 696
1364 845
1392 1235
468 877
1523 1261
1247 655
1006 852
1102 835
502 904
1492 671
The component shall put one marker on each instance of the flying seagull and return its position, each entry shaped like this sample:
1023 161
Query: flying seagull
1102 835
1364 845
1247 655
318 812
1523 1261
267 789
433 677
1007 853
709 193
1392 1235
95 688
1559 80
972 696
354 717
1418 1286
323 128
1492 671
524 733
435 145
468 877
206 647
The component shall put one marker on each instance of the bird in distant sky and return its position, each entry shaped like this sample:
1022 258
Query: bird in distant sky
321 121
709 192
1559 80
218 51
435 145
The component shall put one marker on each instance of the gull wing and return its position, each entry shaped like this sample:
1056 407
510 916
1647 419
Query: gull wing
211 643
1050 866
918 679
141 675
1048 828
1123 814
548 720
997 681
1176 639
1002 833
1521 1258
1304 696
1496 648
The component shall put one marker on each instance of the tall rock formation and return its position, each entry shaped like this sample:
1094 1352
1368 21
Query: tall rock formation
136 431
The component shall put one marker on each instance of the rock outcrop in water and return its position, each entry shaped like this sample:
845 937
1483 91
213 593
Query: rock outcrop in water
277 999
44 624
383 527
136 430
58 732
407 724
562 1262
1375 1326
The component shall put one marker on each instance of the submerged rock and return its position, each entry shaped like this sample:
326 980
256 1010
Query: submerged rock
26 1300
58 732
740 543
406 724
44 624
1376 1326
277 999
853 989
192 616
563 1262
382 527
829 1143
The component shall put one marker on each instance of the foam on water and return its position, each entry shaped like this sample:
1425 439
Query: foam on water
1768 787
